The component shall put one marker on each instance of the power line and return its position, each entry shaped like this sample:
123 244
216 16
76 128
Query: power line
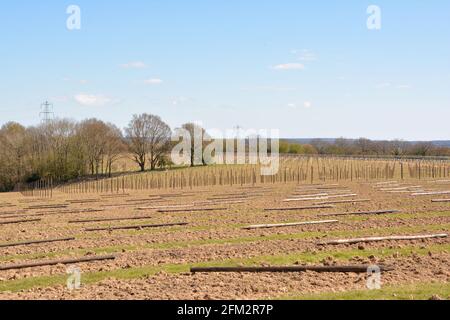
46 113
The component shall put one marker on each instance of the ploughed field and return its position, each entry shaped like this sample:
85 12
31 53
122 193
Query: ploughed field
142 245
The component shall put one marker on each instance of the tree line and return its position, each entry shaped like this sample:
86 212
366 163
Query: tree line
366 147
64 149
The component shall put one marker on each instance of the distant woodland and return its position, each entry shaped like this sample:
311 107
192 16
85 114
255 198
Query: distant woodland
64 149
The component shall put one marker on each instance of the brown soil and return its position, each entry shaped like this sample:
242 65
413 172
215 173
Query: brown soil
214 236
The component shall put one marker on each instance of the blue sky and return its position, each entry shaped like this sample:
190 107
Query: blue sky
308 68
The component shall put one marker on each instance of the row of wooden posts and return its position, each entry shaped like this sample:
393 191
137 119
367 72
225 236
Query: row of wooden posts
291 170
42 188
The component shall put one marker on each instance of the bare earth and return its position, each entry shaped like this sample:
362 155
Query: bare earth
153 263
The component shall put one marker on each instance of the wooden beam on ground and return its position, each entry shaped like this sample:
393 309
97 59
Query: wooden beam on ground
309 186
26 243
146 200
343 201
300 208
309 195
322 198
349 195
182 195
22 216
144 226
19 221
83 201
440 200
305 199
294 224
166 207
13 212
378 239
73 211
54 262
359 213
221 202
430 193
287 269
407 191
238 194
84 211
45 207
190 210
401 188
109 219
230 198
440 181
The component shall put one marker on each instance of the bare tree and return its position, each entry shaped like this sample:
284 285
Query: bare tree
13 153
198 137
422 148
114 147
148 137
159 142
94 137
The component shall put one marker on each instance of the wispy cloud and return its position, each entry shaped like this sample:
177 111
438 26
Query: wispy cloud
134 65
305 55
289 66
392 85
153 81
93 100
180 100
270 88
306 105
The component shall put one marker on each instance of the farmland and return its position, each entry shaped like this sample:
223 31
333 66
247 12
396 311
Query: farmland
137 236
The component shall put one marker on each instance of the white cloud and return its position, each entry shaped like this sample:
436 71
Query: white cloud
289 66
153 81
393 85
134 65
269 88
92 100
180 100
84 81
306 104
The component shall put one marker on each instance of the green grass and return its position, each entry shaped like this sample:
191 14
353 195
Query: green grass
420 291
231 241
285 259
